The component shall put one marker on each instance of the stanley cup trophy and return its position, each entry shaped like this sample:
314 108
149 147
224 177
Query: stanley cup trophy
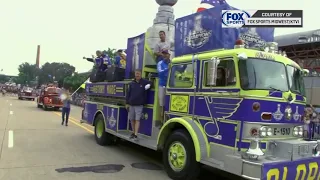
135 57
164 21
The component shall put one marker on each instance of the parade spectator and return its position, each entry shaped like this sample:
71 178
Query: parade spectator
136 99
162 45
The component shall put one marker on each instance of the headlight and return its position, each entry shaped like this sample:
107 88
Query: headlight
265 131
298 131
288 113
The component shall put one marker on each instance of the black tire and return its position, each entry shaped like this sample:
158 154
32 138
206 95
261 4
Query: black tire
106 138
191 169
39 106
45 107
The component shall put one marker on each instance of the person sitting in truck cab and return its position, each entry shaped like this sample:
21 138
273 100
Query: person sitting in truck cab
221 77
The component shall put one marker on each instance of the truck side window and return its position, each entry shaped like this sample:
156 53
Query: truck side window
181 76
226 74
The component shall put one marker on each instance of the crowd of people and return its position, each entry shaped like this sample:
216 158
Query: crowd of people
78 99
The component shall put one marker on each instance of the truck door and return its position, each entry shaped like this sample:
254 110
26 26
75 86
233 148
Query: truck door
181 88
41 96
219 99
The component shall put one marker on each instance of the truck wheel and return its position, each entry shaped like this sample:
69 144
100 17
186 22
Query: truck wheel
179 157
45 107
102 137
39 106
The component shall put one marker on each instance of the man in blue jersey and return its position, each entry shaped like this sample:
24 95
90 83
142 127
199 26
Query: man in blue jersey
120 60
163 71
102 62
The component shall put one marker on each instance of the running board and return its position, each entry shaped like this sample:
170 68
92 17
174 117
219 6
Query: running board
144 141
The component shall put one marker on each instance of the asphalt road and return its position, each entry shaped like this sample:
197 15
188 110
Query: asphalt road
35 146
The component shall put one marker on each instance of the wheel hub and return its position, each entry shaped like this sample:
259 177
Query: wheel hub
174 156
177 156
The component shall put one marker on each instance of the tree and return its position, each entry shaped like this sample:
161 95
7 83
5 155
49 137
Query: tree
27 73
74 81
112 53
55 72
4 78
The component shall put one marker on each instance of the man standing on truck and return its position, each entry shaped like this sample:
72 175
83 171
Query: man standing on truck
163 70
136 98
161 45
120 60
102 62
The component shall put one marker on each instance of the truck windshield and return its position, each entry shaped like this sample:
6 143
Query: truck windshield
262 74
53 90
296 83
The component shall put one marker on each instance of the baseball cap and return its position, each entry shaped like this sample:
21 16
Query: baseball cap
165 51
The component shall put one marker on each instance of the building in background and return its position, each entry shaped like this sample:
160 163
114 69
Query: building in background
304 48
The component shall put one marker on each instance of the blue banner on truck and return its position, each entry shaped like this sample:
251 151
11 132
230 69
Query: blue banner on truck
203 32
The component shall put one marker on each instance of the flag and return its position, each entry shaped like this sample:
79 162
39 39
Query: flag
84 84
207 4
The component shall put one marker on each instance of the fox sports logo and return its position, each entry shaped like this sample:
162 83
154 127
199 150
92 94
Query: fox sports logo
234 18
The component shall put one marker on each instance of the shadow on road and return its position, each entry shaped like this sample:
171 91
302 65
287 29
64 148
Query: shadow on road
156 160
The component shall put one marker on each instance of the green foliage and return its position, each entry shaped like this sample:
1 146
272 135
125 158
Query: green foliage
4 78
73 82
50 72
112 53
27 73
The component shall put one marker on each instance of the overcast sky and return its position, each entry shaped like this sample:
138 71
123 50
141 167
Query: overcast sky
67 30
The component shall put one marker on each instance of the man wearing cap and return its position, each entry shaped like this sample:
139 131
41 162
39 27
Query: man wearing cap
120 59
163 70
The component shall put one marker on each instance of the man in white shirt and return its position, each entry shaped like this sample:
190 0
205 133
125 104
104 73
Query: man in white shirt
161 45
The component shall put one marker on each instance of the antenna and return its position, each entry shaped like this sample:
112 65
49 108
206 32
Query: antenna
194 63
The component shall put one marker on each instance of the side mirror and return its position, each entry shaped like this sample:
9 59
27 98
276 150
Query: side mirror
242 56
212 71
305 71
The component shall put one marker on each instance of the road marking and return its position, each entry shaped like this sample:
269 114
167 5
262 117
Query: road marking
11 112
76 123
10 139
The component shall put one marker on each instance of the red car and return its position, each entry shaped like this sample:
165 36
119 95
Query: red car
49 98
27 93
